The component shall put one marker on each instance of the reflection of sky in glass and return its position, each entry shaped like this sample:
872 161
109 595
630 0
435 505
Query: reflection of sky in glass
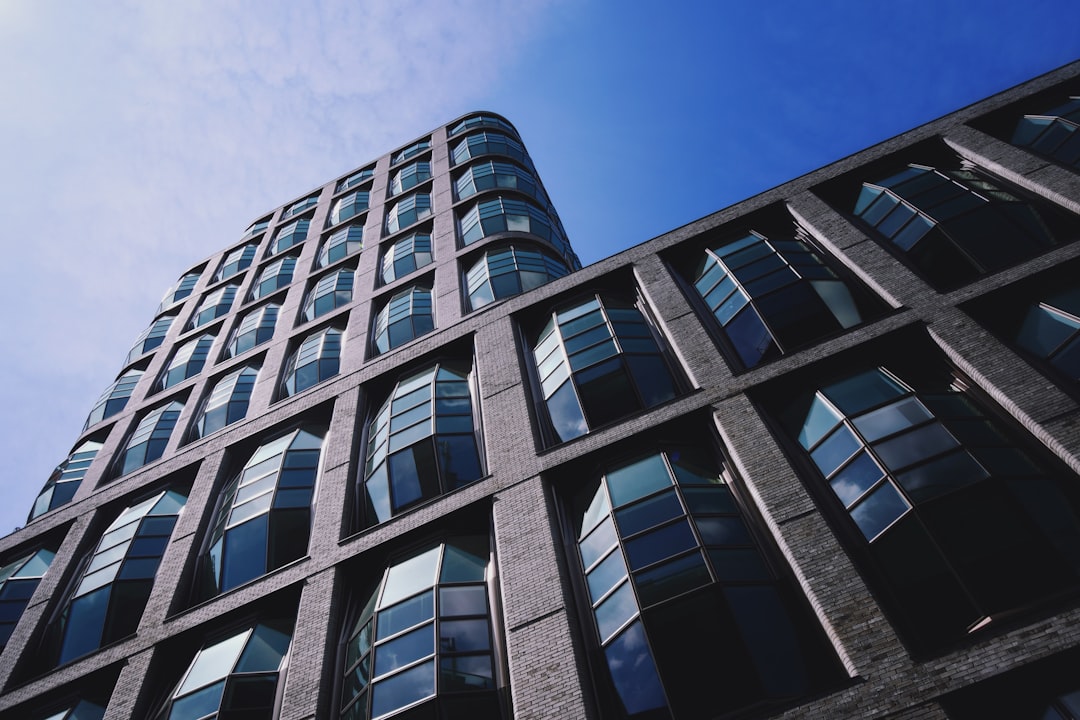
634 673
402 689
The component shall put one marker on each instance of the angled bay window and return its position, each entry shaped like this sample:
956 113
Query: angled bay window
181 290
257 227
187 361
115 397
959 521
493 174
235 675
506 271
348 207
410 176
236 261
1053 134
274 276
505 214
254 329
355 179
953 225
771 296
147 443
263 516
411 151
18 581
490 143
479 121
686 607
64 482
408 210
340 244
81 710
214 305
150 338
405 316
317 358
115 579
597 360
330 292
422 638
292 234
300 206
227 402
406 255
423 441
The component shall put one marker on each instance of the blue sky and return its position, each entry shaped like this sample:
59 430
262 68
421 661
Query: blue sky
138 138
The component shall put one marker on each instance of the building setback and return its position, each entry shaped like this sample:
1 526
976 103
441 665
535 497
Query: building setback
394 453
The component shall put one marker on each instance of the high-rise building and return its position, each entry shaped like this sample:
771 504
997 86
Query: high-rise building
394 453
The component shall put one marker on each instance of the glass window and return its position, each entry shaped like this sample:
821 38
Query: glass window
263 516
489 142
236 260
316 359
478 121
408 210
954 225
181 290
292 234
411 151
300 206
597 360
355 179
151 435
257 227
406 255
961 524
507 271
330 292
405 316
773 296
254 329
115 579
686 608
1050 330
424 635
227 401
187 361
81 710
340 244
493 174
214 305
237 675
150 338
348 207
423 441
18 581
410 176
115 397
1053 133
62 485
274 276
504 214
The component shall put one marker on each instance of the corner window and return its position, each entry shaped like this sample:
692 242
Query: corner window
115 398
254 329
355 179
115 579
407 211
340 244
181 290
292 234
330 292
405 316
489 142
263 516
422 443
1053 134
597 360
147 443
492 174
257 227
64 482
686 609
227 402
150 338
406 255
18 581
503 272
411 151
214 305
504 214
187 361
479 121
274 276
237 675
317 358
348 207
423 637
410 176
236 261
300 206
